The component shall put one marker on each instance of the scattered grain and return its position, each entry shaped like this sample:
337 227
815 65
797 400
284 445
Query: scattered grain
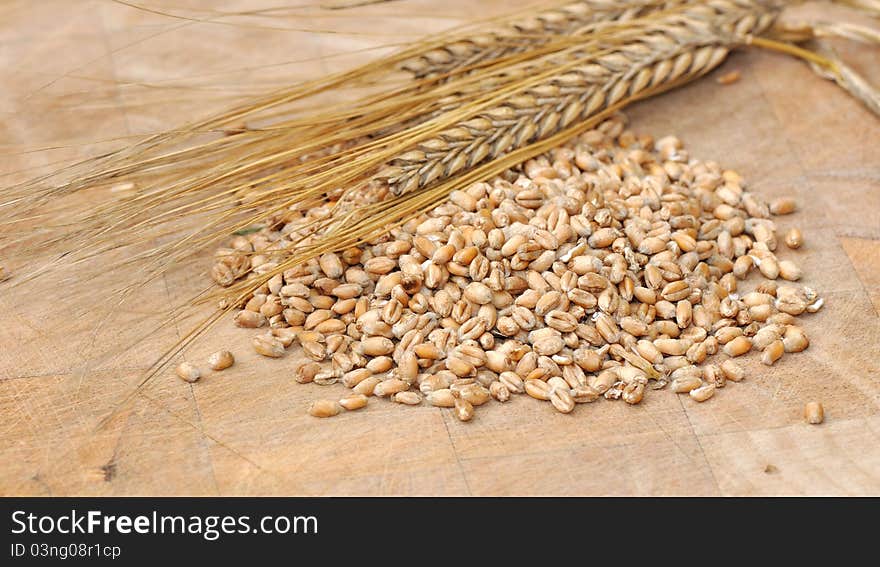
354 402
188 372
728 78
703 393
221 360
324 408
783 206
794 239
814 413
795 340
368 386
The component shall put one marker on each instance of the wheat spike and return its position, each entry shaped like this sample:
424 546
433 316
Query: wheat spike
524 34
696 38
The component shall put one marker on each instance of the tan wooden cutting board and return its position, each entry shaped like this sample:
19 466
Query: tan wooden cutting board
73 73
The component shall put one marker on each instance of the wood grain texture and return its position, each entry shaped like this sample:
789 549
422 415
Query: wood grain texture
863 253
72 74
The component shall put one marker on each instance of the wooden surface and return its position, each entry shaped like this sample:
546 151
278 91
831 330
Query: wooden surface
75 73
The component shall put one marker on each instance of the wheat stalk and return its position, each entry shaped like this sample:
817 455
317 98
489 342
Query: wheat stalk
822 58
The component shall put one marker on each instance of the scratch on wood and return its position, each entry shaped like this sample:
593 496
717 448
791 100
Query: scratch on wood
39 480
109 471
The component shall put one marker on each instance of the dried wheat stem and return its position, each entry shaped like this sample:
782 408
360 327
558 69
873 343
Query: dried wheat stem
870 6
854 32
828 65
847 78
799 32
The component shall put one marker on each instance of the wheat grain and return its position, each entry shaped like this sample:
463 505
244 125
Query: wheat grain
188 373
221 360
354 402
728 78
814 413
703 393
324 408
794 239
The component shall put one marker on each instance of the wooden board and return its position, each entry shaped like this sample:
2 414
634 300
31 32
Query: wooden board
72 74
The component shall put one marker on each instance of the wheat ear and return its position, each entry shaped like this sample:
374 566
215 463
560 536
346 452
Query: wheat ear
697 38
470 50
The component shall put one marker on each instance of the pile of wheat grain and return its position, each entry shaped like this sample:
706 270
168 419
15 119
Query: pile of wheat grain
607 265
